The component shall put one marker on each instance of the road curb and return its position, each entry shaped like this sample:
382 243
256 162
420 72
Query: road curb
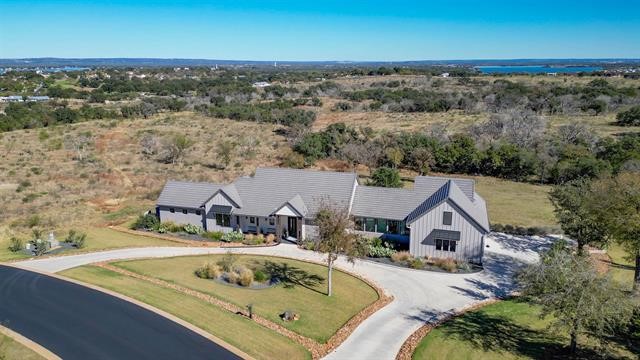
32 345
145 306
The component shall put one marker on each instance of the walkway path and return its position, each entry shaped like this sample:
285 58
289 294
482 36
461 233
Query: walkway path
420 296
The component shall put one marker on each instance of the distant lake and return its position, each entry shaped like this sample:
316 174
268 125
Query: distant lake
536 69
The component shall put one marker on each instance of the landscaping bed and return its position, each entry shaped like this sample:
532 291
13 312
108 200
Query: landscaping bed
437 265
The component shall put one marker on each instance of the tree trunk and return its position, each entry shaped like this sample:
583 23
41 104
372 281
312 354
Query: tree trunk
636 275
329 284
574 343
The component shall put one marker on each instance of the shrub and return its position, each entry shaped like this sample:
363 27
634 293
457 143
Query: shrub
15 244
245 275
416 263
308 245
213 235
193 229
227 261
75 238
253 239
294 160
446 264
629 117
270 239
231 277
260 276
464 266
381 250
401 256
147 221
172 227
208 271
233 236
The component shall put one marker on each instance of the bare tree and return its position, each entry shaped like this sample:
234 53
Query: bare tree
149 144
80 144
172 149
520 127
577 133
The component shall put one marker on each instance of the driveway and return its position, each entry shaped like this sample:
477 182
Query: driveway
420 296
75 322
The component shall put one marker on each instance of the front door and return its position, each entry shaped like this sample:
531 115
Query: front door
292 227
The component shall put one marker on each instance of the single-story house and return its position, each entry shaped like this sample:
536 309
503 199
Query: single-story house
438 217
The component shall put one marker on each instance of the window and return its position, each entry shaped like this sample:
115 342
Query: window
184 211
446 245
172 210
370 224
198 212
381 227
359 223
272 220
223 220
252 220
447 217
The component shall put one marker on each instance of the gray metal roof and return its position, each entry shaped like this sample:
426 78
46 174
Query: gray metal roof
430 184
384 203
186 194
270 188
476 210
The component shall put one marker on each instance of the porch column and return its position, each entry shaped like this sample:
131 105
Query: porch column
278 227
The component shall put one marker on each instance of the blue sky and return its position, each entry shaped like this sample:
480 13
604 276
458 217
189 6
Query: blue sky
321 30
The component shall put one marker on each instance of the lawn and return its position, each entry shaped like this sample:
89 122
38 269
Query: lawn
11 349
516 203
505 330
255 340
320 316
620 268
98 238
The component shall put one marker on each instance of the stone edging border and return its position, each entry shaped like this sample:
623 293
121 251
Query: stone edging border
145 306
317 350
28 343
410 345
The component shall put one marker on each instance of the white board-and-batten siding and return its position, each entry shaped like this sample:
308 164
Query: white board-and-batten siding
468 248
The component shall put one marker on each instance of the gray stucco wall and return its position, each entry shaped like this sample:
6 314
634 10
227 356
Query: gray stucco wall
422 242
179 217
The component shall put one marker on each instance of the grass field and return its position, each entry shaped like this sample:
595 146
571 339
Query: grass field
505 330
320 316
255 340
11 349
98 238
516 203
621 268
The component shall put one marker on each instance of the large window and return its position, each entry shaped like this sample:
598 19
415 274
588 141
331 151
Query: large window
223 220
446 245
382 226
447 217
370 224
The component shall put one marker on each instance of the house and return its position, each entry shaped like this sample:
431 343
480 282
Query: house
438 217
261 84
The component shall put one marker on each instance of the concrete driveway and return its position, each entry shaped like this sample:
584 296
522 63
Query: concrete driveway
420 296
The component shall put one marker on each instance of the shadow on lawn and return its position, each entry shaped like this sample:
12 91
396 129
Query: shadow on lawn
495 333
291 276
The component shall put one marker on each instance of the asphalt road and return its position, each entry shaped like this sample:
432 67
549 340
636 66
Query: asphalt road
75 322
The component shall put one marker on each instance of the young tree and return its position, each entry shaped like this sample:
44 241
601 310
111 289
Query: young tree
225 150
334 236
615 201
568 287
80 143
569 201
386 177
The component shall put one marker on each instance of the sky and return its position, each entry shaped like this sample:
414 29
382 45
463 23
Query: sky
392 30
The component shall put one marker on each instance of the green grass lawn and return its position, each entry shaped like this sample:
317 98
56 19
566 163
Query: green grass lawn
516 203
255 340
620 268
11 349
320 316
98 238
505 330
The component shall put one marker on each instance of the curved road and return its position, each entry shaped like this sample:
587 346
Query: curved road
75 322
419 296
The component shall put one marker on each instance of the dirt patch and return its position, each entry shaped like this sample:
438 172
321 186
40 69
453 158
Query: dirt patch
8 187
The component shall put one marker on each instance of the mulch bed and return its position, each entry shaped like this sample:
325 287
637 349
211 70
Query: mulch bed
184 240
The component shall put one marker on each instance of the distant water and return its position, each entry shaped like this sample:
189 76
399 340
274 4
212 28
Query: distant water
536 69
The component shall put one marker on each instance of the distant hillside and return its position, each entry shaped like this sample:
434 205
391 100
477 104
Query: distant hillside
154 62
